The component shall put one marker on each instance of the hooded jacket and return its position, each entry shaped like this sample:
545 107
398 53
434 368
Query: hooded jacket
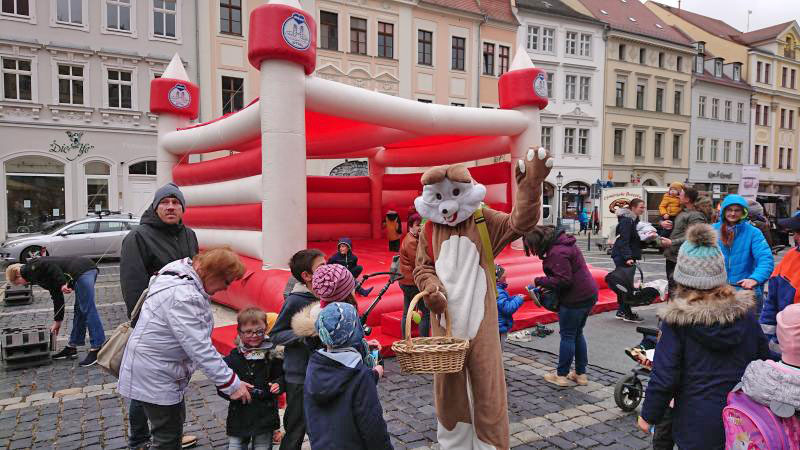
341 403
172 339
566 273
507 305
53 272
670 205
349 260
783 289
685 219
408 259
296 352
149 247
704 348
748 256
627 245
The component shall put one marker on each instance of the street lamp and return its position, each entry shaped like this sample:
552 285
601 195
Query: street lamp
559 183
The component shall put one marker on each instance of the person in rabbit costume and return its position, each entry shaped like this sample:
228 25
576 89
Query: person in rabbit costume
452 273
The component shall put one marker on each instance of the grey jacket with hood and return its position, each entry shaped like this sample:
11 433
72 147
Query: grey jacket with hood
172 339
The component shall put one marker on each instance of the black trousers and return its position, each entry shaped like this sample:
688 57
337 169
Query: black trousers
621 305
294 421
662 435
394 246
670 280
166 424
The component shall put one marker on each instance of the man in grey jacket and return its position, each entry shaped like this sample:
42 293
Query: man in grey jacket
159 239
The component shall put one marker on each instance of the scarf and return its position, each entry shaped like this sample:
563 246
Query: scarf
255 353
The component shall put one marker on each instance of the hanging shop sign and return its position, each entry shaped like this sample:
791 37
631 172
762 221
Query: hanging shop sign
74 148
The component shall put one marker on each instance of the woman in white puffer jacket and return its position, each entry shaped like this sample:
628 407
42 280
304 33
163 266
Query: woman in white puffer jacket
173 337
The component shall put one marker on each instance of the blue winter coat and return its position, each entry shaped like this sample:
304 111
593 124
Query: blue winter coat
749 256
342 409
784 290
506 307
704 348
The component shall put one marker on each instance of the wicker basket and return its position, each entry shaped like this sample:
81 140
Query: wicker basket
438 354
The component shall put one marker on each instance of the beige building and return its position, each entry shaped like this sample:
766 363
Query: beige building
647 92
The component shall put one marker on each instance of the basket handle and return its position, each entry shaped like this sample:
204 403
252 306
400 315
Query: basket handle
447 332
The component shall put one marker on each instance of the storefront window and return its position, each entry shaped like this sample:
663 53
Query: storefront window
97 178
34 193
574 198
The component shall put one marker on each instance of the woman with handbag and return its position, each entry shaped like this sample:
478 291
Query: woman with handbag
568 276
173 337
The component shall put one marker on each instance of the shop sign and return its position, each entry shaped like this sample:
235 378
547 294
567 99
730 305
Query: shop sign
721 175
74 148
748 187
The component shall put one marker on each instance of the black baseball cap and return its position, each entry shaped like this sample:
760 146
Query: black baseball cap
792 223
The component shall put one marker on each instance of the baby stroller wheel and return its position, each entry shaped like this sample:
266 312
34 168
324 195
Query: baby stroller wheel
628 392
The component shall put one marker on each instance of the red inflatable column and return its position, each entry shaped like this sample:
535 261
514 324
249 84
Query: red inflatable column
282 45
176 101
376 172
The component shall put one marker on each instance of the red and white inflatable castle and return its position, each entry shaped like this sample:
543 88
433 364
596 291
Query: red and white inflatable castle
259 200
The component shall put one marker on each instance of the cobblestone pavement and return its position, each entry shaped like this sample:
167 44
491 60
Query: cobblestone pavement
65 406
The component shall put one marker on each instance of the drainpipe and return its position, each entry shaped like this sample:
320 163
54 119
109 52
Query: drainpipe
480 60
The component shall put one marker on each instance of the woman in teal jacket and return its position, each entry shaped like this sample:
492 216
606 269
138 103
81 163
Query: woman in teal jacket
748 258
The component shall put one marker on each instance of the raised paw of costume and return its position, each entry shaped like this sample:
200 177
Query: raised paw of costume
537 163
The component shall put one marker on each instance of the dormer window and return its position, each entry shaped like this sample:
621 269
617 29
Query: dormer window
701 47
737 72
718 68
698 64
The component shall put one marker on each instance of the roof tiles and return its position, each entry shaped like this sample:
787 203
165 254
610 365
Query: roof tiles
618 14
499 10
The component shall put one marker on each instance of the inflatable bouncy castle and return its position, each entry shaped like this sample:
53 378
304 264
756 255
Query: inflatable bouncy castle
259 201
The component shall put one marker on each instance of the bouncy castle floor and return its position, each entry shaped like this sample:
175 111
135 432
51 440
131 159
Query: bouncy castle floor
385 319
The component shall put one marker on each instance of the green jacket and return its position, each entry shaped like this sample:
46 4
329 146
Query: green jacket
685 219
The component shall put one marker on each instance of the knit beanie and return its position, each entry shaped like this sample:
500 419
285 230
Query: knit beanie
788 332
338 325
332 283
168 190
678 186
700 262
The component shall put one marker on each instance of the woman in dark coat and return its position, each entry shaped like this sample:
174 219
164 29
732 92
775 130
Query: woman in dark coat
709 334
627 249
567 275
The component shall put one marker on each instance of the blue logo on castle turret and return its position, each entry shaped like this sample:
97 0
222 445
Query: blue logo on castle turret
296 32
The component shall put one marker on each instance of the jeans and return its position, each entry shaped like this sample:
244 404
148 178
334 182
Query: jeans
293 419
86 313
621 306
573 345
138 428
167 424
258 442
409 291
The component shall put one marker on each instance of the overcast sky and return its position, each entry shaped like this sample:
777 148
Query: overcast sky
734 12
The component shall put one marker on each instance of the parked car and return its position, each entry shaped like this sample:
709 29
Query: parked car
94 237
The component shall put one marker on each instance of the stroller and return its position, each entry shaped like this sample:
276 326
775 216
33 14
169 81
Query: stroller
629 390
621 281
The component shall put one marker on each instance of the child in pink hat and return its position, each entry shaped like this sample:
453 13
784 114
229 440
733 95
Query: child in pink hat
333 283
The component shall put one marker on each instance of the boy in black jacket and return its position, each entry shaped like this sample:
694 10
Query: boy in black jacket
345 257
255 361
63 275
295 359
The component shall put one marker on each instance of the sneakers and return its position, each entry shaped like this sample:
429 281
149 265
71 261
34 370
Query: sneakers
553 378
67 352
90 360
187 440
620 315
632 317
580 380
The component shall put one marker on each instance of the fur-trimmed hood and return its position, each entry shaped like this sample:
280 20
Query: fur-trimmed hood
303 322
626 212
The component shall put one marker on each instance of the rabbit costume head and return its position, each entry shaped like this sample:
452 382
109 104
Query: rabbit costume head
449 195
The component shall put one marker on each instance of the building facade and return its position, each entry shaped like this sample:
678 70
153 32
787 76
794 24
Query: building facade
570 47
74 104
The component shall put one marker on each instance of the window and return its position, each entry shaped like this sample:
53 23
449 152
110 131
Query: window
16 7
143 168
780 158
505 57
81 228
758 114
385 40
714 146
120 88
569 140
701 106
718 68
794 72
110 227
620 95
784 76
715 108
118 15
660 99
329 30
70 84
621 52
698 64
550 90
571 43
34 193
661 60
585 86
488 58
642 55
740 112
165 17
737 72
659 141
638 143
69 11
739 148
728 109
640 96
230 17
97 179
757 155
783 117
457 104
358 36
701 143
676 108
424 47
766 73
726 151
788 159
763 120
424 100
679 63
548 39
585 48
232 94
458 53
791 119
759 66
583 141
533 37
540 39
764 156
570 82
618 137
547 137
676 147
17 79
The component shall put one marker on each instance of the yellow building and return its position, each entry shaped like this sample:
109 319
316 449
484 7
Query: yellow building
647 92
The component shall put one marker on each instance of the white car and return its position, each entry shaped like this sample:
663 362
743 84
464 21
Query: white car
93 237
